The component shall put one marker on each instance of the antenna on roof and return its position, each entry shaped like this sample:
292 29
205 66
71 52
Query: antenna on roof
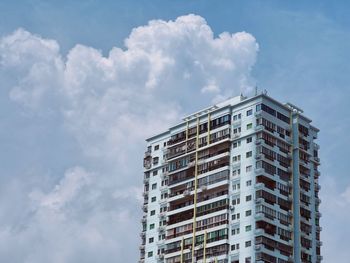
265 92
256 90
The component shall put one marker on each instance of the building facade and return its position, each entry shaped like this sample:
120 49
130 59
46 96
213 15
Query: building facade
235 182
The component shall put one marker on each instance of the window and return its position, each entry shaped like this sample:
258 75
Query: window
248 260
248 243
155 160
268 109
236 172
249 139
151 226
234 246
249 183
236 186
237 130
153 212
248 213
249 112
236 144
156 147
235 216
236 158
249 154
154 186
236 201
249 168
258 107
150 240
248 198
235 231
237 117
150 254
249 126
248 228
155 172
154 198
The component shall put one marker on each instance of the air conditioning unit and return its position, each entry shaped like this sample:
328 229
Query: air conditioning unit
203 187
186 192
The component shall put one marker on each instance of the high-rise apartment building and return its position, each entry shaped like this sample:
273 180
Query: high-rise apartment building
235 182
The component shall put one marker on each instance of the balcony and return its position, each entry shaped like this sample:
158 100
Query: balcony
147 165
259 128
258 247
317 187
261 216
148 154
259 186
258 141
191 164
305 177
317 174
319 258
186 193
259 171
145 208
146 180
258 156
259 232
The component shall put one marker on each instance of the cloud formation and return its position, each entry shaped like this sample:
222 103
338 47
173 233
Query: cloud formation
109 105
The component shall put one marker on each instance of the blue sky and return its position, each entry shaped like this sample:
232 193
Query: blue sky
65 157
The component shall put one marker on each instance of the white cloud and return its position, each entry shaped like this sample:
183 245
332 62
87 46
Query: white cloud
346 195
110 105
35 63
65 191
